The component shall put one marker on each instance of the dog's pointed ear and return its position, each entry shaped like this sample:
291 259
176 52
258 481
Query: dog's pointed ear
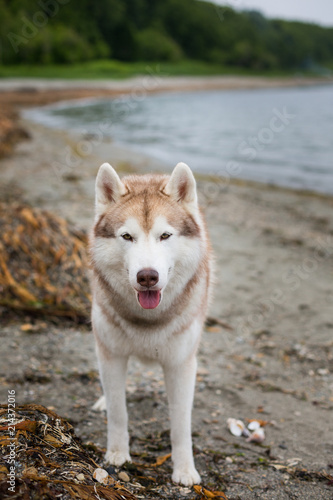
108 187
182 186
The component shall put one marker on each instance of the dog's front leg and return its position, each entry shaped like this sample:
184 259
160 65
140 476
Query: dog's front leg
180 382
113 376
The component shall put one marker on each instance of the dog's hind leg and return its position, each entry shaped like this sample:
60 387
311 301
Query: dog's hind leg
100 404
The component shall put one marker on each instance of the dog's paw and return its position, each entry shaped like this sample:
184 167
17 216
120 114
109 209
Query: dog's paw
117 457
186 476
100 404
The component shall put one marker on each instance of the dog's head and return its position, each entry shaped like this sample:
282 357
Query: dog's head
147 233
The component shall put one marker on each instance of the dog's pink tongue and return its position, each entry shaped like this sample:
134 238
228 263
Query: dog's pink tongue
149 299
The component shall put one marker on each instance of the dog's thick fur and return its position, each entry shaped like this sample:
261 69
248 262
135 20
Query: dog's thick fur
151 272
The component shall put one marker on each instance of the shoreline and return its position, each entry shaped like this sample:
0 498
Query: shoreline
17 94
30 92
34 92
128 160
53 146
153 80
40 93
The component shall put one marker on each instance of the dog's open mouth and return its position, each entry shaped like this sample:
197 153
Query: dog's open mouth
149 299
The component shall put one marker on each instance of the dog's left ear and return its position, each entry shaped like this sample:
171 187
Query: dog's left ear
182 186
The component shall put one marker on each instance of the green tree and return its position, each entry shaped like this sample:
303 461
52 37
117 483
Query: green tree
165 30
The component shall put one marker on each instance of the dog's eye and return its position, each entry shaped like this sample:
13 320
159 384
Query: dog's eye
127 237
165 236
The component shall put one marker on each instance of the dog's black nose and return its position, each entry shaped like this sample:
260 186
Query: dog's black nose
147 277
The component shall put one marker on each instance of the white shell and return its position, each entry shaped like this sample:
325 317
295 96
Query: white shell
257 436
246 432
101 476
253 425
236 427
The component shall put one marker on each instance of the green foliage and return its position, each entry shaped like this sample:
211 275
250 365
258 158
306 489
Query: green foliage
156 46
124 43
60 44
111 68
73 31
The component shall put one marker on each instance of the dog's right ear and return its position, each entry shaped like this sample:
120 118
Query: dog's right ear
108 187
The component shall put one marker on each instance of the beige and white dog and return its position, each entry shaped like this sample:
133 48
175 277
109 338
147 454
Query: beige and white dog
151 273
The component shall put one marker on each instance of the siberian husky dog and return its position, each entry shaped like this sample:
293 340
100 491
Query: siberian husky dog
151 272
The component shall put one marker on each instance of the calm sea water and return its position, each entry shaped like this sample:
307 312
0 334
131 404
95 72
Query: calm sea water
277 136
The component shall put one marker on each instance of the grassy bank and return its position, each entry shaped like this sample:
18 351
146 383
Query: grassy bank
116 69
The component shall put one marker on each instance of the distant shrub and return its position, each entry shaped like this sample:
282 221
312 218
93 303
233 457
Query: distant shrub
68 46
216 56
57 44
156 46
247 55
243 54
124 42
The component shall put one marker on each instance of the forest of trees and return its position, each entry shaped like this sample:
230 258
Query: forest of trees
68 31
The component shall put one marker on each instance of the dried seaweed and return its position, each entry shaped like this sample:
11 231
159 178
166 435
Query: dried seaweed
49 458
11 131
305 474
43 263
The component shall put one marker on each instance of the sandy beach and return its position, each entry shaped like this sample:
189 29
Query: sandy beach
269 354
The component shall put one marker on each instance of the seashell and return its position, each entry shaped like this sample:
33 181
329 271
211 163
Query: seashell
123 476
101 476
246 432
254 425
236 427
257 436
